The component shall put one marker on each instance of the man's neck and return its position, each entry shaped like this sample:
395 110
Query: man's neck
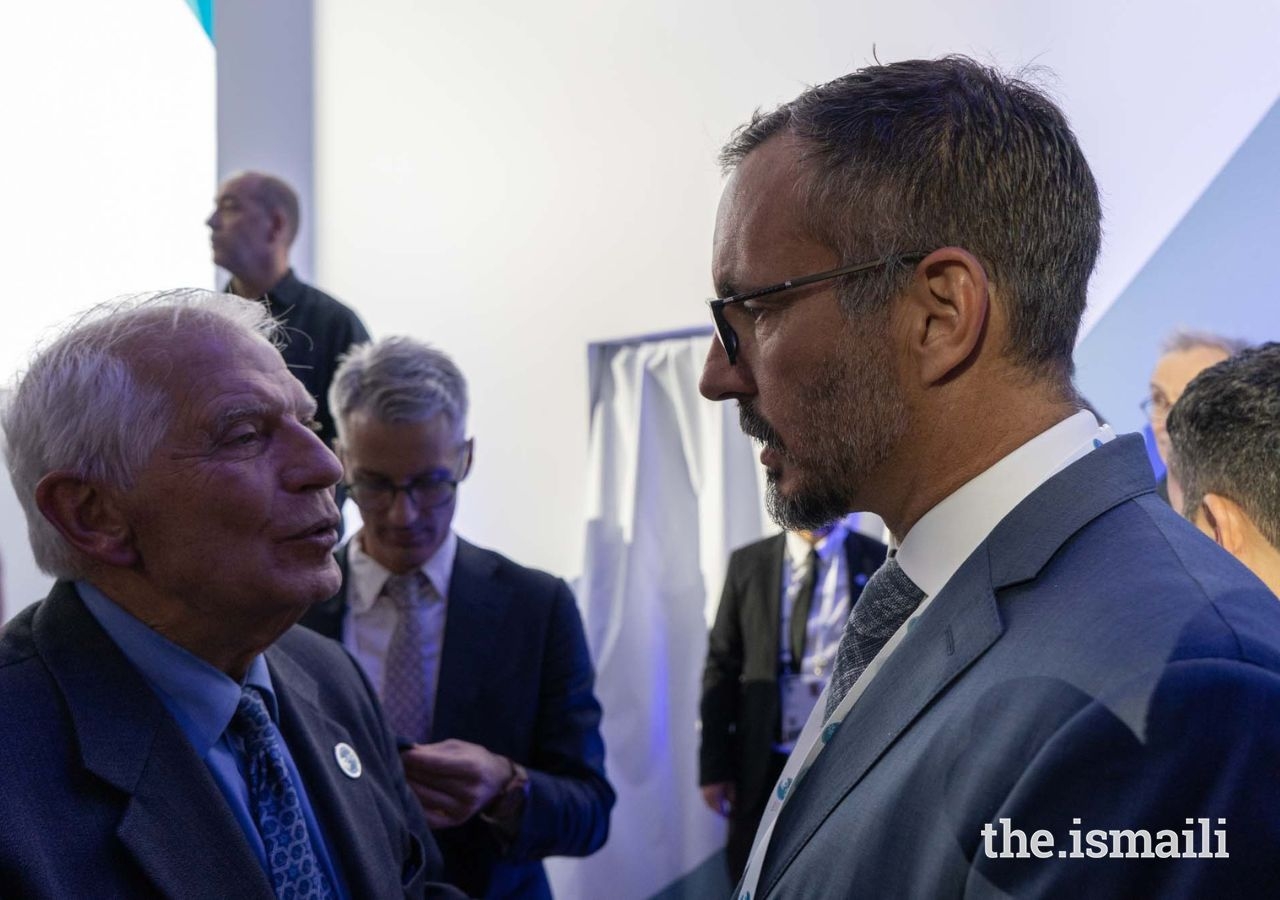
229 646
951 450
253 285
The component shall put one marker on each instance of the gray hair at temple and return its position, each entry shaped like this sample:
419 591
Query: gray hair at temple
1225 435
81 406
397 379
922 154
1184 339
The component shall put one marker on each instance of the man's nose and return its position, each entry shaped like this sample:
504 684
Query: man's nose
313 465
403 510
722 381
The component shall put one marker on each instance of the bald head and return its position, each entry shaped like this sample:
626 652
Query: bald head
254 223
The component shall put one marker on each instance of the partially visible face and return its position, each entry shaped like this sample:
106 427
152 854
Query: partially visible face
819 392
403 537
233 515
1172 374
240 225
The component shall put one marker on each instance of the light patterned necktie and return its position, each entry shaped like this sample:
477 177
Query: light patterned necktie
295 870
408 685
888 600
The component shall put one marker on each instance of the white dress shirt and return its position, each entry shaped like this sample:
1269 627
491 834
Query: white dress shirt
371 618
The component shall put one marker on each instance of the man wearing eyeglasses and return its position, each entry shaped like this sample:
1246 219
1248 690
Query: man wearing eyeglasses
481 664
1184 355
1053 676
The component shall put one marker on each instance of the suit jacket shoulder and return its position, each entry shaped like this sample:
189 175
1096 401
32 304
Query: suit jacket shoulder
1062 679
98 776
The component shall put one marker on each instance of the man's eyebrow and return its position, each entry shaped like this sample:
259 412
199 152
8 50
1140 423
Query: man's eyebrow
232 414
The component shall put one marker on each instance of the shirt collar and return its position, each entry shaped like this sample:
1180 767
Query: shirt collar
798 548
200 698
281 296
368 575
945 536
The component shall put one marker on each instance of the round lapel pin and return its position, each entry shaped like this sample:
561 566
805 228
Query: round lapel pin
348 760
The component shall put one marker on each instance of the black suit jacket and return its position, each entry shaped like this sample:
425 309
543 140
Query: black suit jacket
515 678
101 794
740 705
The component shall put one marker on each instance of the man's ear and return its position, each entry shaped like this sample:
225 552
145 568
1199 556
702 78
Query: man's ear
947 307
88 517
471 457
1224 521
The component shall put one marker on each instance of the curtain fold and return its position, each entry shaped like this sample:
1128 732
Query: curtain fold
673 486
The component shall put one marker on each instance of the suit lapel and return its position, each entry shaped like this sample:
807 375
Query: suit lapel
958 627
475 605
174 820
962 621
768 582
346 807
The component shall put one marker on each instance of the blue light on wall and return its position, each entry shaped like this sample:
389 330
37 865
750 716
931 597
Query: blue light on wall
203 10
1212 273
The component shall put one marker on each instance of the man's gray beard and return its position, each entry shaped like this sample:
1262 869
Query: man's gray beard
805 511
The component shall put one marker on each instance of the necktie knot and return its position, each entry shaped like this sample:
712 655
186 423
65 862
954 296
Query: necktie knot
888 600
252 722
408 591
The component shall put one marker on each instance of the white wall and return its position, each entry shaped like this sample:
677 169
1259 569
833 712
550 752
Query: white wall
108 153
514 180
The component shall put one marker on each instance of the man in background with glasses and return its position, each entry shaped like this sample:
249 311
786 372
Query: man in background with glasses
481 664
1183 356
1053 674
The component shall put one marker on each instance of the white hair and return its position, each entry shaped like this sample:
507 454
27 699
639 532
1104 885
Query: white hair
81 407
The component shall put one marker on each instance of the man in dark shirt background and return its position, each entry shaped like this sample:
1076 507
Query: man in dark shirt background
253 225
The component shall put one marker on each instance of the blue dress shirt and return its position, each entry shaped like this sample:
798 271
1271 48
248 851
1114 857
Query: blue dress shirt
202 701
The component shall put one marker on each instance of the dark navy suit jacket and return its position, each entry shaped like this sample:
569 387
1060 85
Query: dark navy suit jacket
101 795
515 678
1095 659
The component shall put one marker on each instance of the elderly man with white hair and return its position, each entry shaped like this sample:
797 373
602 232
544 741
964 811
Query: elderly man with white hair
167 732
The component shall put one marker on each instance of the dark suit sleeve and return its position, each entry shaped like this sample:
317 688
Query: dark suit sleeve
1206 751
721 683
569 801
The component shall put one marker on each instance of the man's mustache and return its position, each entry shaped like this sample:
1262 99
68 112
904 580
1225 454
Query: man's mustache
754 426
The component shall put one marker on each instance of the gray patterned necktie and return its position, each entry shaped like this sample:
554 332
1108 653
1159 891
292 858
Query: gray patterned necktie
295 871
887 601
408 686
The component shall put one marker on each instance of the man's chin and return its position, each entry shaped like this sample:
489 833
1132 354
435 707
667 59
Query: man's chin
797 509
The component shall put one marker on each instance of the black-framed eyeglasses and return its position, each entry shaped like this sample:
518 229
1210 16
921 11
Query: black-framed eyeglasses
729 338
375 495
1155 407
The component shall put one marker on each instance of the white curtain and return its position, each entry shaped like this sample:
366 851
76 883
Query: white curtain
673 487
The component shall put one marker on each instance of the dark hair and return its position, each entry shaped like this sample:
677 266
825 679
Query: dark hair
924 154
1225 434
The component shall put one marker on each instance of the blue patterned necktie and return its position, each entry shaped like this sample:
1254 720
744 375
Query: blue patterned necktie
888 600
296 873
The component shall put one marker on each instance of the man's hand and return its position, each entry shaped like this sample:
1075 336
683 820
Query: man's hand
720 796
454 780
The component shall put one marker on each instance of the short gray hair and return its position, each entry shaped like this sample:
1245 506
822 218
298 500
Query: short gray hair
81 406
397 379
1184 339
1225 434
922 154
